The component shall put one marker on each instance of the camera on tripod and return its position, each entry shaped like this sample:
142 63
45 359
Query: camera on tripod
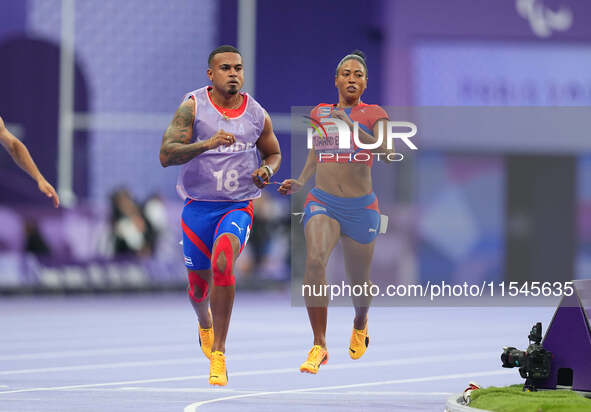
534 363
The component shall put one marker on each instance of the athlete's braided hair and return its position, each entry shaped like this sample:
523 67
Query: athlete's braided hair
354 55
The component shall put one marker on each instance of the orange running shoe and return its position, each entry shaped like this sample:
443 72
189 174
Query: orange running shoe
218 375
316 356
359 342
206 340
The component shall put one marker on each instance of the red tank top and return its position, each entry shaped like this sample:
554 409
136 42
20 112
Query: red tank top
366 114
229 113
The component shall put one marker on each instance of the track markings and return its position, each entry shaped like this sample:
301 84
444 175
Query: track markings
293 369
194 406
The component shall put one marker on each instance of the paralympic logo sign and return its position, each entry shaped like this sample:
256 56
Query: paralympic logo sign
331 137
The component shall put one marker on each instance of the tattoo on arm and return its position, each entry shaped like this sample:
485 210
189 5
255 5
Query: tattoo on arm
179 130
176 148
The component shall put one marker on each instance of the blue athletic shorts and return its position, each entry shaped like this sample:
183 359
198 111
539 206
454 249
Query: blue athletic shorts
202 222
359 217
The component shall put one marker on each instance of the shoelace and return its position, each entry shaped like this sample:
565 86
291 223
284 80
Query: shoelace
358 336
316 353
218 362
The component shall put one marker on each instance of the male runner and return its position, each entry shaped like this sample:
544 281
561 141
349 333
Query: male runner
215 135
21 156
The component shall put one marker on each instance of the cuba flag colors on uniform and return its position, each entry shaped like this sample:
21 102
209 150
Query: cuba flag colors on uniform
216 136
217 185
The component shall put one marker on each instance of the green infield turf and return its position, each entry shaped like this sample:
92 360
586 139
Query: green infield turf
513 399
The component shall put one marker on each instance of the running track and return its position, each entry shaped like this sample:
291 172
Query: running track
140 352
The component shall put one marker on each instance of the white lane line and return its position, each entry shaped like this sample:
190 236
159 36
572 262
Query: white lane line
180 390
97 352
154 389
216 391
96 366
179 361
384 393
193 407
404 361
192 347
98 385
199 359
161 362
125 350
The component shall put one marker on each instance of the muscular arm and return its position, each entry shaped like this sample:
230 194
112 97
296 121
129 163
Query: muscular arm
270 152
269 146
21 156
175 148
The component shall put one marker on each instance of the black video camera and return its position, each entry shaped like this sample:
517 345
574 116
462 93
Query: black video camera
534 364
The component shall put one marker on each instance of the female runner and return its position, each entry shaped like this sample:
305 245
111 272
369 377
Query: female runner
341 205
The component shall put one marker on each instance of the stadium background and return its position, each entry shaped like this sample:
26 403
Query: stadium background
455 215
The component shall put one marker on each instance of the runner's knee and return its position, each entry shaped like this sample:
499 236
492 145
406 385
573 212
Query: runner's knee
222 262
315 266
